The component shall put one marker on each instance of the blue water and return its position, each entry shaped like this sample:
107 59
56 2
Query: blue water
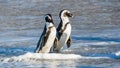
95 34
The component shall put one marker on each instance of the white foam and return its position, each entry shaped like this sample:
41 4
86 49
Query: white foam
117 53
40 56
28 57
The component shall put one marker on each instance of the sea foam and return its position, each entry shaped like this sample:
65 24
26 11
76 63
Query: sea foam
39 56
117 53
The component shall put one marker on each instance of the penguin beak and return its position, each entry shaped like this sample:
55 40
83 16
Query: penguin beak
71 15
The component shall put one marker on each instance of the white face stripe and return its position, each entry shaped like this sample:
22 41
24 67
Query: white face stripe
62 14
64 19
47 16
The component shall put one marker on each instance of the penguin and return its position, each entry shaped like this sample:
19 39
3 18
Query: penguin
63 31
48 37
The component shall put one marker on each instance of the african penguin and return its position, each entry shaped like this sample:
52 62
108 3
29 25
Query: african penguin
63 31
48 37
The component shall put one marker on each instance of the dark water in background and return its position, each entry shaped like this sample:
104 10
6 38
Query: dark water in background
95 31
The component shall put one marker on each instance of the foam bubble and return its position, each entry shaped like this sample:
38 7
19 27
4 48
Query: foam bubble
117 53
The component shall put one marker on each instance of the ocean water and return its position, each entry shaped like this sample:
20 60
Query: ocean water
95 34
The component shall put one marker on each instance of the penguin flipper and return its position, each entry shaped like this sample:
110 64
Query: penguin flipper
44 40
69 42
39 44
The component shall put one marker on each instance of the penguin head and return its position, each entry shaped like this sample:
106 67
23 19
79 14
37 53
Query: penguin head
65 13
48 18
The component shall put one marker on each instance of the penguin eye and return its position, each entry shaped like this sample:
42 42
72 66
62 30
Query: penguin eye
65 14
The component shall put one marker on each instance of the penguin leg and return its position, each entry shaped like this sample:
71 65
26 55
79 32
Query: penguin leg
69 42
51 50
55 44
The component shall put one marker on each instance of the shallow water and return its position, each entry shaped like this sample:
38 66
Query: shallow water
95 33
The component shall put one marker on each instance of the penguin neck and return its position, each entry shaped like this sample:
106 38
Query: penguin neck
64 21
49 24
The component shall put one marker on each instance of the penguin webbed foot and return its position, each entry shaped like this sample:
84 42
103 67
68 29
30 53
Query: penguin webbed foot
56 50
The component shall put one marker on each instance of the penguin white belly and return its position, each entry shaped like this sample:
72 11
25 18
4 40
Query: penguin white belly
49 42
64 37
